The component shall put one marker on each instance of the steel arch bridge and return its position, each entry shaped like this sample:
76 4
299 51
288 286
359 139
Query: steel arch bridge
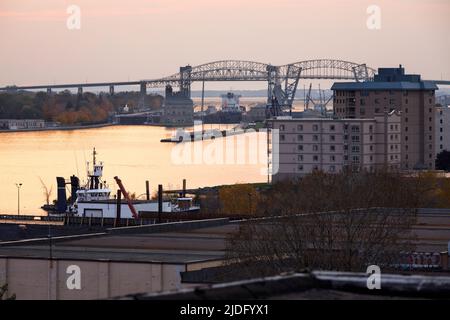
241 70
282 80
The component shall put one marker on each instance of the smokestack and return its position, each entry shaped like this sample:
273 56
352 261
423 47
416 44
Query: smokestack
160 201
61 202
184 188
147 189
74 187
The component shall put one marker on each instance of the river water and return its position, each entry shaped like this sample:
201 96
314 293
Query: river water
134 153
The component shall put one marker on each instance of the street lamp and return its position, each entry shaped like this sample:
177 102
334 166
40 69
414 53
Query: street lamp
18 185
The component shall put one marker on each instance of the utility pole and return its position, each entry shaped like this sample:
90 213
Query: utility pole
18 185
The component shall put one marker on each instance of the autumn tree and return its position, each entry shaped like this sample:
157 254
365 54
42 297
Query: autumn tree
342 221
238 199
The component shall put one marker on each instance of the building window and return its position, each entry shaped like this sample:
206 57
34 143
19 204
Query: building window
315 137
406 119
371 148
355 129
355 149
300 157
332 158
406 129
332 168
441 147
315 158
332 138
315 147
332 148
300 127
282 137
300 168
299 137
300 147
355 138
332 128
281 127
406 138
315 127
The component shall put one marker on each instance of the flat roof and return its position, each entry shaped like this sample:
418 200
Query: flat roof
383 85
178 247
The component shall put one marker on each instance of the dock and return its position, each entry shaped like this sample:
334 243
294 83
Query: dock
208 135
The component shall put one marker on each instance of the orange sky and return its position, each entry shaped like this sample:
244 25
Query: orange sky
141 39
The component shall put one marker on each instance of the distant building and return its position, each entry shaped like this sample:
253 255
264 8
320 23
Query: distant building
19 124
442 129
330 145
392 89
178 109
256 114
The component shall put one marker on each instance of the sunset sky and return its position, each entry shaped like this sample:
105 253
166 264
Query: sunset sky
143 39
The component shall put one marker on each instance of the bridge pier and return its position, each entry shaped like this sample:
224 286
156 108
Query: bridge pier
80 90
111 90
49 90
143 91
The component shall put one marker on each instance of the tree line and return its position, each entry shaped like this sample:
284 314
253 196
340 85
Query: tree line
68 108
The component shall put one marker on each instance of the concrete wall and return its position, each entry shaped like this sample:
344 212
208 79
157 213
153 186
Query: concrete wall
34 279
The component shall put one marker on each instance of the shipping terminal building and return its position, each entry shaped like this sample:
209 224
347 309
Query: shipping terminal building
388 122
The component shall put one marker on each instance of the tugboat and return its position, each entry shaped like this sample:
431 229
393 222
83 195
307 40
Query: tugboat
94 198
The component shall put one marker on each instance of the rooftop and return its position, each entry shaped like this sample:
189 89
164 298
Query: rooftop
389 79
203 241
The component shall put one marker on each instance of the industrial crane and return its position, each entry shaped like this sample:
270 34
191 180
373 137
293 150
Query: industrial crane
127 197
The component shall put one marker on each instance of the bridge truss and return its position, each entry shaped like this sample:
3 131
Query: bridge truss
282 80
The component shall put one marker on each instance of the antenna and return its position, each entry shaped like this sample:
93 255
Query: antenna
94 153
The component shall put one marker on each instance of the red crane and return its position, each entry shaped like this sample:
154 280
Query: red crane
127 197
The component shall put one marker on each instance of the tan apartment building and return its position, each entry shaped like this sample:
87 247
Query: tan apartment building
392 89
330 145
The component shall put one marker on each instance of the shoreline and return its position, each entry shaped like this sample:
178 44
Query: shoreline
63 128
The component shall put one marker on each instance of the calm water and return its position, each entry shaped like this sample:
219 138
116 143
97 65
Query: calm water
134 153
